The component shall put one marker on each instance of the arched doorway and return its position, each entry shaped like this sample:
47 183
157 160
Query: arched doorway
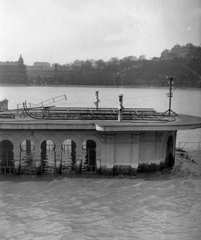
26 156
6 157
48 156
169 160
89 164
68 156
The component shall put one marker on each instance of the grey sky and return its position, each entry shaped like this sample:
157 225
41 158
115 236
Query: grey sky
65 30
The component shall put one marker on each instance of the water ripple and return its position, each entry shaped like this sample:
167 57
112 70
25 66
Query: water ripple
162 206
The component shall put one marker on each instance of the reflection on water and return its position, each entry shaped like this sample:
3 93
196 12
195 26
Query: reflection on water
163 205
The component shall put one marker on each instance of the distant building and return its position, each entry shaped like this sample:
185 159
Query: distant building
13 72
43 73
34 72
165 54
42 64
189 50
57 74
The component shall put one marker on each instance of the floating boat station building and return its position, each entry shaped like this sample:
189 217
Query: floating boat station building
41 140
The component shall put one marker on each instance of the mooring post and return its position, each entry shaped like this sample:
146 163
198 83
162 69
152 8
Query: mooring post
120 107
97 100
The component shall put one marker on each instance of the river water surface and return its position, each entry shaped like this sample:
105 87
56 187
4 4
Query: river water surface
162 205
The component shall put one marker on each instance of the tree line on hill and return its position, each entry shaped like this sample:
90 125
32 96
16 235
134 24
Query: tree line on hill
131 71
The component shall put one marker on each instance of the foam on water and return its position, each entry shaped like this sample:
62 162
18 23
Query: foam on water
163 205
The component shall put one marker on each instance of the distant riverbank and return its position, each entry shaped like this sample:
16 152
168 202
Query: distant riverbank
98 86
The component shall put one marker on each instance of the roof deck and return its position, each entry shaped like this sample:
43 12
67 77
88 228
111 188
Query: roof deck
104 119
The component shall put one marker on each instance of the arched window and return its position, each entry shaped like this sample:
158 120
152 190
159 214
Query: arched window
26 155
6 157
169 161
89 163
48 156
68 156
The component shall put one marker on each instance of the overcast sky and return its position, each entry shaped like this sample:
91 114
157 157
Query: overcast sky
65 30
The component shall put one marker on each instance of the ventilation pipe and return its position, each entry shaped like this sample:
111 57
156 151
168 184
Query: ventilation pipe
97 100
120 107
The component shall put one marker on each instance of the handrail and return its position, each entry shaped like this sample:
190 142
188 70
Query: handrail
28 112
82 113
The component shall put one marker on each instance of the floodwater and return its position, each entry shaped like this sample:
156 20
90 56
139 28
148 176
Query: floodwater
162 205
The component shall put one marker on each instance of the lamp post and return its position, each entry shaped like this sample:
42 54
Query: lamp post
170 95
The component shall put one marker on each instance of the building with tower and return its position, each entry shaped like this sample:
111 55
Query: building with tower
13 72
187 51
